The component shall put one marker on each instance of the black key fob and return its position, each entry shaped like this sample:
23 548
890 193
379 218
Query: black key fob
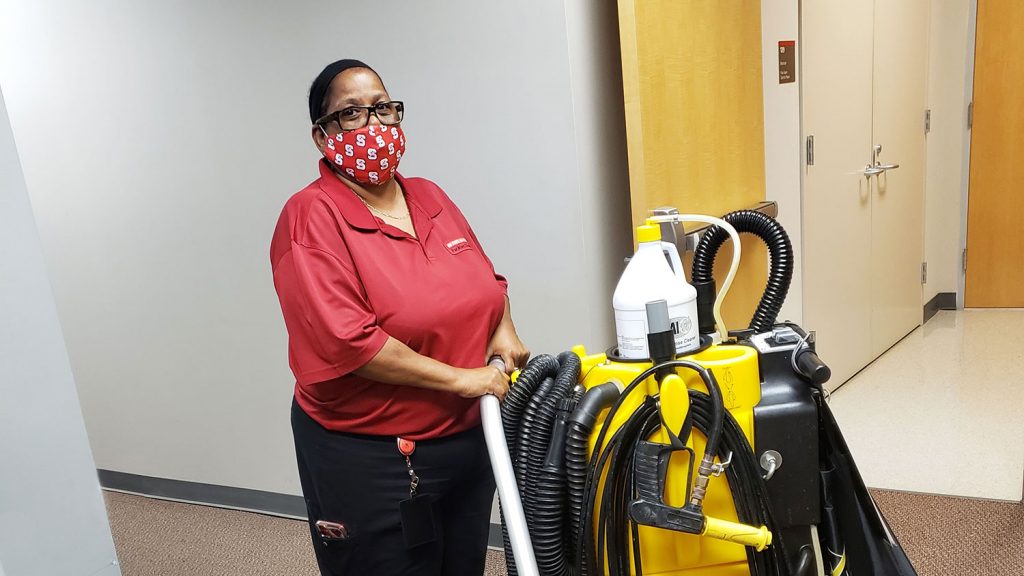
419 521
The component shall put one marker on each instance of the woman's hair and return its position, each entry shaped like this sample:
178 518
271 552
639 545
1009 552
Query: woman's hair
321 86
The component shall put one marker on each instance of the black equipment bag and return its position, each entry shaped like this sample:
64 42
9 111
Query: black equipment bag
852 526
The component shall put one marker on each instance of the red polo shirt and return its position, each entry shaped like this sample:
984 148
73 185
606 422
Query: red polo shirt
347 280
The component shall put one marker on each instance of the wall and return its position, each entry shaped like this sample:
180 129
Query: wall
49 496
160 140
596 82
948 99
783 148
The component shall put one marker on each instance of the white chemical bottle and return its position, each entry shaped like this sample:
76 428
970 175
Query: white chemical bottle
648 277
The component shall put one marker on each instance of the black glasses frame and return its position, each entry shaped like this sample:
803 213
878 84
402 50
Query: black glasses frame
336 116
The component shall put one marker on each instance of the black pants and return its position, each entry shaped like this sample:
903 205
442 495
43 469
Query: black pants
359 480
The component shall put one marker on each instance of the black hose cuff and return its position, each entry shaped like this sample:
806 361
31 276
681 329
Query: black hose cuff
594 401
554 461
706 294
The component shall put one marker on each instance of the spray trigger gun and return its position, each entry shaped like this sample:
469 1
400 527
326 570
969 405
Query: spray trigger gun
651 462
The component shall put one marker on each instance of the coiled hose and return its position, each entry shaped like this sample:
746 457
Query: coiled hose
537 371
748 489
545 486
581 423
584 545
780 250
531 433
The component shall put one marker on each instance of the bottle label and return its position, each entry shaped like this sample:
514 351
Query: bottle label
631 330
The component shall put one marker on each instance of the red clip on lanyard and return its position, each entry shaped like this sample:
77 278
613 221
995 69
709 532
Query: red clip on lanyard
406 448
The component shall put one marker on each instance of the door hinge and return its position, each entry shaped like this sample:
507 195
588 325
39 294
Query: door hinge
970 115
810 150
963 260
927 121
924 272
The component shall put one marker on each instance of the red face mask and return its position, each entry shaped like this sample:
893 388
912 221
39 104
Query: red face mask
369 155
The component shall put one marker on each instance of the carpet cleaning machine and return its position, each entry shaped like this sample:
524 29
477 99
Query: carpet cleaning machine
687 449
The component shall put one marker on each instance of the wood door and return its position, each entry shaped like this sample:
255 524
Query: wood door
692 83
995 274
837 92
897 204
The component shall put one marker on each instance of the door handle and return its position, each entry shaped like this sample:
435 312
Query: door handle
871 170
885 167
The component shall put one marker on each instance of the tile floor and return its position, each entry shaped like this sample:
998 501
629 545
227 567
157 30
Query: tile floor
943 411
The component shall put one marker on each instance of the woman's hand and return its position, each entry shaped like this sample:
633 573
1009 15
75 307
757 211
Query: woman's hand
474 382
506 343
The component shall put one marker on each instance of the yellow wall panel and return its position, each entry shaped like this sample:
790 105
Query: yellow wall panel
695 118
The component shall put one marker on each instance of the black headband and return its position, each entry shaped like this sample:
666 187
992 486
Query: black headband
318 91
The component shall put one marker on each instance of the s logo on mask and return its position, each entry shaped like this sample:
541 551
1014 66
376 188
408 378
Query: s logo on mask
372 160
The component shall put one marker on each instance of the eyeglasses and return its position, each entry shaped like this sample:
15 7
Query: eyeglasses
355 117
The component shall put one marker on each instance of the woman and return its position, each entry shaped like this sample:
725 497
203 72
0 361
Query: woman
392 310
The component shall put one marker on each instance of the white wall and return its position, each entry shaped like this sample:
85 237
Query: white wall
595 73
949 46
52 517
160 140
780 20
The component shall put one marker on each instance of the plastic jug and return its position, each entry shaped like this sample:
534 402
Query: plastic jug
648 277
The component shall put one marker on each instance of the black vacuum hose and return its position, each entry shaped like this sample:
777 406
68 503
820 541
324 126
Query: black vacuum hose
529 430
581 423
779 248
537 370
545 487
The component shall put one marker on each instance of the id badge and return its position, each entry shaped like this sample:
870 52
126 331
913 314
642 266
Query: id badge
419 522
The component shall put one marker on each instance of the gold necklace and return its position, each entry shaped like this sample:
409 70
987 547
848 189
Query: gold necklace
381 212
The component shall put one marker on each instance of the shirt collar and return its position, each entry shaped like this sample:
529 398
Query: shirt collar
356 213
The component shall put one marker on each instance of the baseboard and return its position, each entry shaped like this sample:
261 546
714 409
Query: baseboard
494 539
258 501
273 503
941 301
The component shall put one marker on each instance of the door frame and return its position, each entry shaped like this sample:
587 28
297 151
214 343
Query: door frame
972 32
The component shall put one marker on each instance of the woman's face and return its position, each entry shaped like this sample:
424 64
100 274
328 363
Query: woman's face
353 87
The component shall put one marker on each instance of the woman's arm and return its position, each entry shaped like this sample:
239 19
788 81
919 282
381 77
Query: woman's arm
398 364
505 342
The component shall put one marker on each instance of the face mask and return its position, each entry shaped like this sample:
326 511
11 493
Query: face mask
369 155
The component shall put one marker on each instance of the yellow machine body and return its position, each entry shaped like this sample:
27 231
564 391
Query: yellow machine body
666 552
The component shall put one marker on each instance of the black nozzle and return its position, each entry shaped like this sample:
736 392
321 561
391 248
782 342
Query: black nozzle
554 460
594 401
811 367
706 294
661 340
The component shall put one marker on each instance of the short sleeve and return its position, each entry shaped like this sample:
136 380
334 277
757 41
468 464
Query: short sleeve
333 329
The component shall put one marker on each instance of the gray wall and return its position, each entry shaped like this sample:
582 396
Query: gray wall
52 517
160 140
950 63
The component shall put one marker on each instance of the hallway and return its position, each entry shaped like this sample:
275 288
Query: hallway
942 411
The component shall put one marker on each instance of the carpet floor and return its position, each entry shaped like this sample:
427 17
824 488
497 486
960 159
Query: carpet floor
943 536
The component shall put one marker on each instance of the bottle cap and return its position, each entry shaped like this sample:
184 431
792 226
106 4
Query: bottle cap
648 233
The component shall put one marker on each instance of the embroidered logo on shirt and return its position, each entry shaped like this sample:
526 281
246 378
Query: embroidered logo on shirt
458 245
